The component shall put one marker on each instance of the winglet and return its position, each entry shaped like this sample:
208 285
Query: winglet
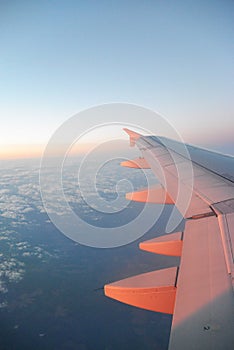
133 136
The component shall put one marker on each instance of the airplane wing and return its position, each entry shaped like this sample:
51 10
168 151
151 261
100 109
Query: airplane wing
199 292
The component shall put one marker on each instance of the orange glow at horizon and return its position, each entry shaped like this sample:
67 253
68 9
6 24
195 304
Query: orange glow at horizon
16 151
25 151
21 151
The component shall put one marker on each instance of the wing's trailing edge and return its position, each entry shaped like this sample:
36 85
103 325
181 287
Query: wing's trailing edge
199 293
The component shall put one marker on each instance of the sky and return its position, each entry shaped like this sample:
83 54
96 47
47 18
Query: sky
58 58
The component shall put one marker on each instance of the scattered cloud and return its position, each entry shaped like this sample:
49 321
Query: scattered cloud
21 203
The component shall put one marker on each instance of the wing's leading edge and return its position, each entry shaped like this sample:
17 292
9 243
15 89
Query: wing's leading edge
199 293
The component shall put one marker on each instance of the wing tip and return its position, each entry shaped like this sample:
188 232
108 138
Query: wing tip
134 136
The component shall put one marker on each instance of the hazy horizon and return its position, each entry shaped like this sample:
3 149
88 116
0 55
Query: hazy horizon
175 58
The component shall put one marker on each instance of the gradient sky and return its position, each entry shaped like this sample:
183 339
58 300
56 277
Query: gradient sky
60 57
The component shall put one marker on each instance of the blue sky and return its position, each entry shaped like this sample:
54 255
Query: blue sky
60 57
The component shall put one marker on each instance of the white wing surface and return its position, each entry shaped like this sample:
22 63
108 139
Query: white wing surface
199 292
